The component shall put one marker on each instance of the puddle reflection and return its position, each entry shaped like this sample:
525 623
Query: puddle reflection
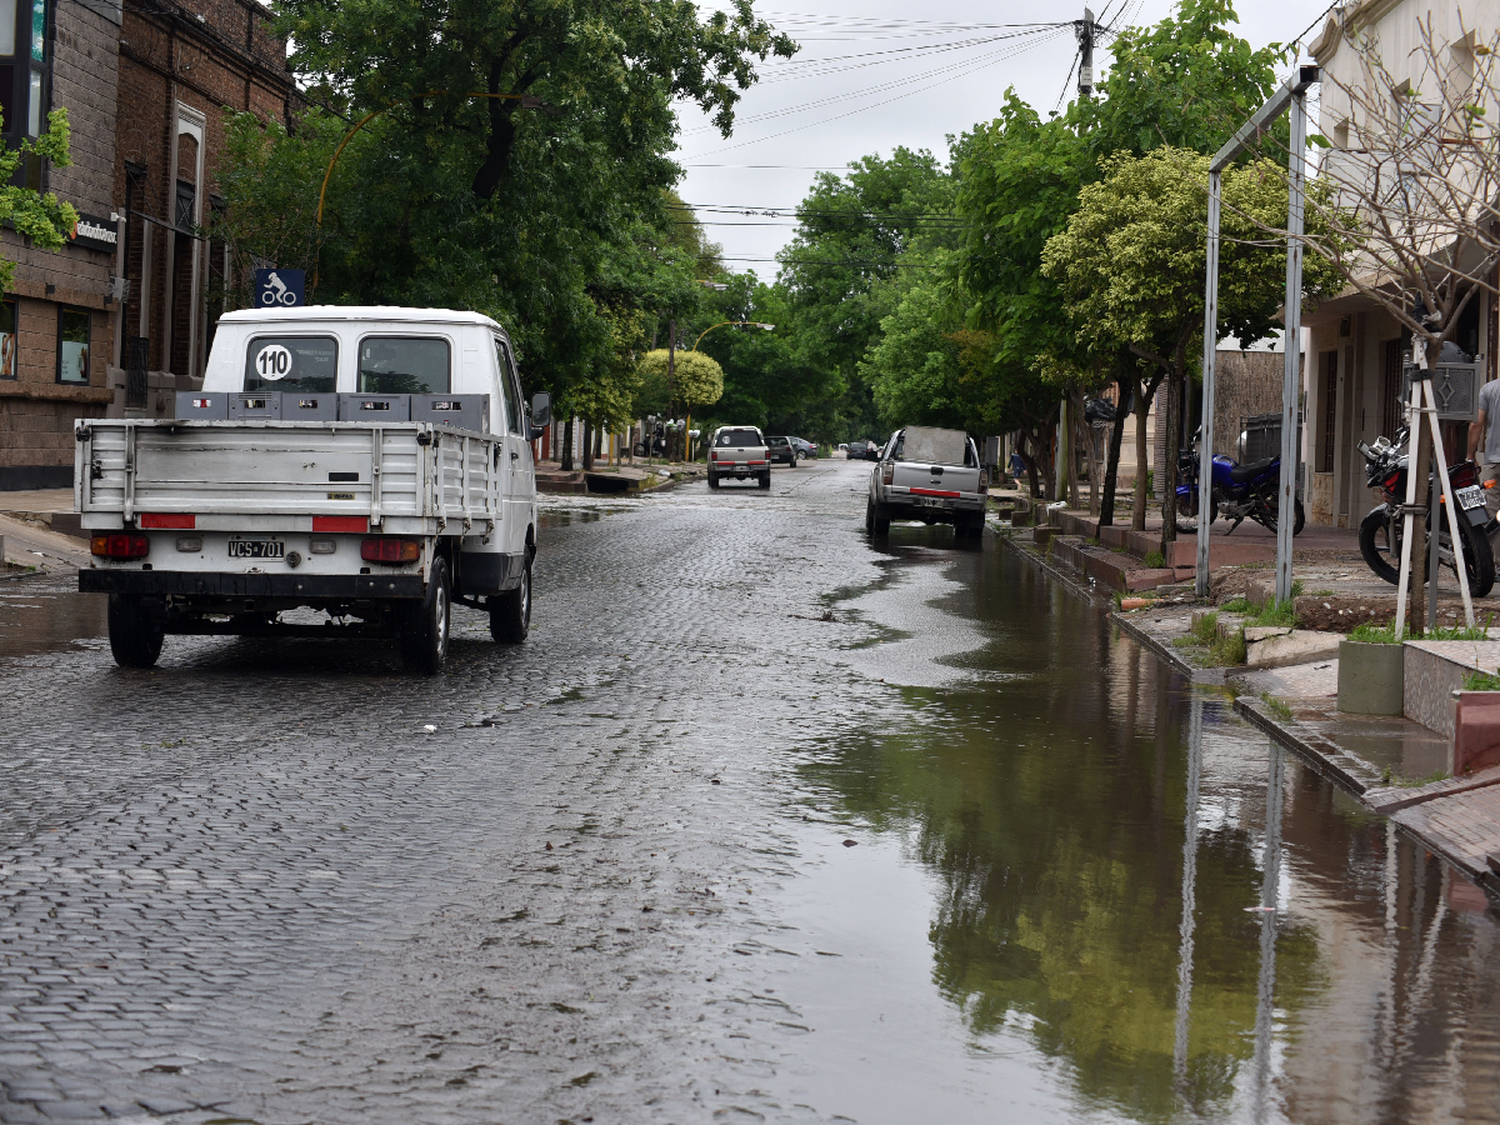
1129 881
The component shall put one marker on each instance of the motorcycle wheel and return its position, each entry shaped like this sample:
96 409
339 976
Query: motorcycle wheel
1380 546
1479 560
1187 512
1270 508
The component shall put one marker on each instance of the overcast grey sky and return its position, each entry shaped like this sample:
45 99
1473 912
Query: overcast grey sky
875 74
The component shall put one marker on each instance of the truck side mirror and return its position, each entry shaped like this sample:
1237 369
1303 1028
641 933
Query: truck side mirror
541 413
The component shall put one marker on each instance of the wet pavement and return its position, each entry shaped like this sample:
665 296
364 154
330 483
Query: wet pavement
760 824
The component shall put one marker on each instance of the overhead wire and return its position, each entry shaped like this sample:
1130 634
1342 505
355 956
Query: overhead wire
879 88
958 72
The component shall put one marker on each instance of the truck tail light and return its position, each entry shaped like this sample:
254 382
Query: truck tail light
713 455
390 551
888 472
120 546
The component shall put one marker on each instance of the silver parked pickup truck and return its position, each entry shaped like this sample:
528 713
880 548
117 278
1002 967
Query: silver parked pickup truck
931 475
740 452
370 464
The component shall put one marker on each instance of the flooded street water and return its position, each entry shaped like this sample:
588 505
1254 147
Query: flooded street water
763 823
1133 906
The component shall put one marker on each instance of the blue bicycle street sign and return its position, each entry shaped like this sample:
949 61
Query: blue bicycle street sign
280 288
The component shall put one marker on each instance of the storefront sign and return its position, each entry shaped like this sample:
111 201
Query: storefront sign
95 233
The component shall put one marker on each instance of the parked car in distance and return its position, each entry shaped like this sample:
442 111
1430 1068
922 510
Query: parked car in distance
805 449
739 452
855 450
780 450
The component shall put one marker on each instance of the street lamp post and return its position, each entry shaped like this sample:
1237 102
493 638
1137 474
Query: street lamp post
687 430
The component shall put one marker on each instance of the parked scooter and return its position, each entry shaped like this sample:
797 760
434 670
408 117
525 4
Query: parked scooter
1380 532
1238 492
653 441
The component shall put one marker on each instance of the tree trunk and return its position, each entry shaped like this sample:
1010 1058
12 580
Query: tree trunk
588 446
1142 463
1170 439
567 447
1073 428
1112 462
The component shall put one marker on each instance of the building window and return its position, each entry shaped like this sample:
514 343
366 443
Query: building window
25 78
73 346
7 339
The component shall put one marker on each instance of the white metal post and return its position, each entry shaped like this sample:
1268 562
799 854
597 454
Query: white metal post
1210 350
1292 374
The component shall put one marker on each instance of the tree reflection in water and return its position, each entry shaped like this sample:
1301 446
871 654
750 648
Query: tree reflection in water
1144 889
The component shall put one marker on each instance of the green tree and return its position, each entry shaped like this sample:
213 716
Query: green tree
41 217
858 238
694 378
505 153
1131 264
768 380
1188 81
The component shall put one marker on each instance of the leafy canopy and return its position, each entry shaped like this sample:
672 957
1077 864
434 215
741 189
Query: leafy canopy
696 379
40 217
1131 261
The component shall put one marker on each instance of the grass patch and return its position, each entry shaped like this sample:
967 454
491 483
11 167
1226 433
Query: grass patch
1269 613
1461 632
1371 634
1322 593
1224 649
1482 681
1275 706
1154 560
1205 628
1275 613
1229 651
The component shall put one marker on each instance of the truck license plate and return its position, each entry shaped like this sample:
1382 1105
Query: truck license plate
931 502
1470 497
256 549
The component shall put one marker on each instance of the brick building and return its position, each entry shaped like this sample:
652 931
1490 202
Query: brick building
180 66
123 316
55 323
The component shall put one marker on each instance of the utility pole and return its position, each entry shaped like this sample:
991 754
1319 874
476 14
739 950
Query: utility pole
1085 29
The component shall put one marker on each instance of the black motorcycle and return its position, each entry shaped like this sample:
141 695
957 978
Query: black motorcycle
653 443
1380 532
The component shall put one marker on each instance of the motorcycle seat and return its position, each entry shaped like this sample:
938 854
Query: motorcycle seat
1242 473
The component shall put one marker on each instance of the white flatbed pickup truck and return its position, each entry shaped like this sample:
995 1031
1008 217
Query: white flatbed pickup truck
373 464
928 474
740 452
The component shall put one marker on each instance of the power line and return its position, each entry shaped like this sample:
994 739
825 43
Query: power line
959 73
834 98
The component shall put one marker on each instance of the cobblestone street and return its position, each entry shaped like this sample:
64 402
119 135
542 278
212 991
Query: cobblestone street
765 821
287 882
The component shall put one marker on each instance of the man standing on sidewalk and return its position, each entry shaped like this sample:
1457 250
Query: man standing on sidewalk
1484 430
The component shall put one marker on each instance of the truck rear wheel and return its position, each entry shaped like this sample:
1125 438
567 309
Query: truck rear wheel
135 638
510 612
713 480
424 637
765 479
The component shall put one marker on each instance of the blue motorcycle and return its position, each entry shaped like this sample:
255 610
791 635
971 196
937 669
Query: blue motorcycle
1238 492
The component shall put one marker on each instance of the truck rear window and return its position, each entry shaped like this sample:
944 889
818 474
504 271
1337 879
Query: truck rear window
299 364
404 365
738 437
